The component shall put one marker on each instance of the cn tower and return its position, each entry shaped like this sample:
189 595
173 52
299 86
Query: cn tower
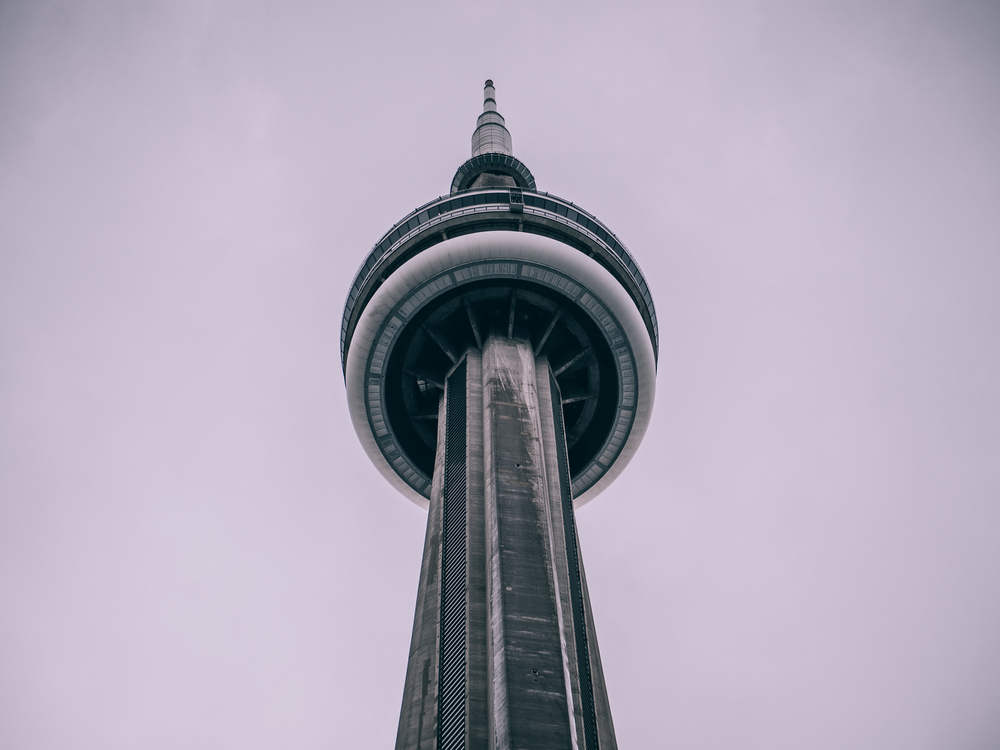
499 347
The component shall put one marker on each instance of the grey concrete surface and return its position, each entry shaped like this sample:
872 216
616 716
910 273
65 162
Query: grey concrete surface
531 677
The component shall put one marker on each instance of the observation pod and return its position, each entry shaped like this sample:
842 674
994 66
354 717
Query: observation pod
499 347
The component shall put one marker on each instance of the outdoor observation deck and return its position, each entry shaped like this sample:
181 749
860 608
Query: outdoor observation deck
484 211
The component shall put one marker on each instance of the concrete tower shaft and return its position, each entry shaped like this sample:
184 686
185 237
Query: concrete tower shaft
503 652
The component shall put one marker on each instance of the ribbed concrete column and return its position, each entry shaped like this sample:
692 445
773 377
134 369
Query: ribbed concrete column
531 707
592 710
504 654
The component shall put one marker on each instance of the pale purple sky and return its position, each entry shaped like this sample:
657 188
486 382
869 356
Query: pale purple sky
194 550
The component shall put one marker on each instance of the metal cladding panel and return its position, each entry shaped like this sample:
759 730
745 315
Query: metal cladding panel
491 137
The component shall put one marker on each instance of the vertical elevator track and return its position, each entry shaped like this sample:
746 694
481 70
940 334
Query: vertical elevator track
575 581
451 698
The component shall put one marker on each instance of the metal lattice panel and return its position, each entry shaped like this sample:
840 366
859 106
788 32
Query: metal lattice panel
451 719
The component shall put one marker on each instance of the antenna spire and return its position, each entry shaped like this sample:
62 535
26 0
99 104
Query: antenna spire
489 97
491 135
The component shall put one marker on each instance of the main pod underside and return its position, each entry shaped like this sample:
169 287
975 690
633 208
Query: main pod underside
411 325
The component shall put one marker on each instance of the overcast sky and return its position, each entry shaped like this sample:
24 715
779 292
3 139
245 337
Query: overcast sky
196 553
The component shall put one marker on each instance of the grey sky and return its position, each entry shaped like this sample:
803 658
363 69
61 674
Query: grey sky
194 550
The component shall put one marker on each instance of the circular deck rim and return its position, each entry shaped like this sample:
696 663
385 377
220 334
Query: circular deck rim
492 161
488 210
